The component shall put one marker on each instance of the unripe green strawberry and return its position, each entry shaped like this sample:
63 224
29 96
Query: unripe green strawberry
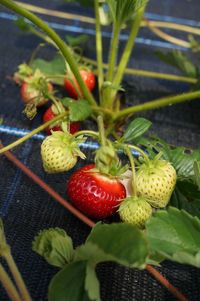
59 152
135 210
155 181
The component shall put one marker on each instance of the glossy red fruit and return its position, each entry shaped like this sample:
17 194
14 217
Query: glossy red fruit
49 115
96 195
72 86
28 94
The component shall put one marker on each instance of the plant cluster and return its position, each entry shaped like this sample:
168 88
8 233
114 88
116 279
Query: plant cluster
155 194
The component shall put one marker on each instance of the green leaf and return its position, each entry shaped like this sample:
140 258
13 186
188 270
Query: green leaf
122 10
197 172
54 67
77 41
181 158
194 43
23 25
55 246
186 196
123 242
179 60
78 110
175 234
69 283
83 2
92 283
136 129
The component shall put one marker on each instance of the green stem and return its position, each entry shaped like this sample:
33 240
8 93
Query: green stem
8 285
113 51
131 160
128 48
146 73
32 133
65 50
85 132
107 100
99 47
158 103
139 150
101 130
17 276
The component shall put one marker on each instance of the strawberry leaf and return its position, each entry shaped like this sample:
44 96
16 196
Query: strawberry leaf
197 172
77 41
136 129
186 196
51 68
122 243
92 283
23 25
69 283
179 60
78 110
122 10
55 246
181 158
175 234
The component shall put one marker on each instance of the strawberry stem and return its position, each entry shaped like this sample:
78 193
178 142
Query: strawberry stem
101 130
8 285
86 132
132 163
32 133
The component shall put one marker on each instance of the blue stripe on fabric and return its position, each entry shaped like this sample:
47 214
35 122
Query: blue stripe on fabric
17 178
80 30
21 133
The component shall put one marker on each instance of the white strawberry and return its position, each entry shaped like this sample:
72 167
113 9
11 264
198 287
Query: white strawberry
155 180
59 152
135 210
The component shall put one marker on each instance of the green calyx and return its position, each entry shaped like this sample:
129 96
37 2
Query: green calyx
107 161
23 72
68 141
156 165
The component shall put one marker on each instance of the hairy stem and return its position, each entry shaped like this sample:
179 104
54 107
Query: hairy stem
17 276
146 73
158 103
128 48
99 48
32 133
132 163
64 49
101 130
8 285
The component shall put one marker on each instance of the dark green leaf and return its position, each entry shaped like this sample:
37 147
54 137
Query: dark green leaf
55 246
181 158
179 60
77 41
23 25
51 68
175 234
123 242
122 10
83 2
197 172
69 283
136 129
186 196
195 44
78 110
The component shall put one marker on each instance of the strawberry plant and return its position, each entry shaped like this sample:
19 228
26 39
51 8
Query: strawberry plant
151 187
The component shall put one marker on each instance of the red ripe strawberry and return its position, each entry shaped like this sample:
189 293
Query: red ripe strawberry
95 194
72 86
49 114
31 93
